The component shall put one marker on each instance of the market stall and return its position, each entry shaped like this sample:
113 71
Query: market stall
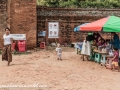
78 45
107 24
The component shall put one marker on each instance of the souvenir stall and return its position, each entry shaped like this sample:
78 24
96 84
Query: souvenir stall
108 24
78 45
94 26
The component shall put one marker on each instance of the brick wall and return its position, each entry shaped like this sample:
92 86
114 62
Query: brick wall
23 19
20 16
3 23
70 18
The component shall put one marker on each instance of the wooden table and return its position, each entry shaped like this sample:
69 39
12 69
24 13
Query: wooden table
104 53
95 50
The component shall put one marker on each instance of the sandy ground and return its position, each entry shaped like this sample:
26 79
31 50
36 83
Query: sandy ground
43 68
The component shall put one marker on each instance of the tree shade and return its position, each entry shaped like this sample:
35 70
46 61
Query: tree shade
80 3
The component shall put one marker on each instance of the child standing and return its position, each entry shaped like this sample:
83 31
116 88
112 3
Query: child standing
59 51
115 59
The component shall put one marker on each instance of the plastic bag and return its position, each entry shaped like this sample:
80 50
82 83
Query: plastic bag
111 53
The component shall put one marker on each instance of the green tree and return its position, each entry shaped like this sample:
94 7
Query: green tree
80 3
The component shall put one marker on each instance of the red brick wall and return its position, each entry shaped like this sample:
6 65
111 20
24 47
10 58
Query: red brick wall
3 23
23 19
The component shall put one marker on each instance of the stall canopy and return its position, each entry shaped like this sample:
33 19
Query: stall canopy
94 26
76 29
108 24
112 24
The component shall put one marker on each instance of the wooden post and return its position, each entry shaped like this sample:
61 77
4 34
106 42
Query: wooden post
46 25
59 32
55 41
111 40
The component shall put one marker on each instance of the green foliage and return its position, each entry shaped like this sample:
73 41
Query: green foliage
80 3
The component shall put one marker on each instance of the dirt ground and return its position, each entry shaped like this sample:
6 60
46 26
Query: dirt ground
43 68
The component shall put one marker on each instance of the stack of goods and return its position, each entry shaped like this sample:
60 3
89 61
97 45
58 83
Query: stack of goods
104 50
111 53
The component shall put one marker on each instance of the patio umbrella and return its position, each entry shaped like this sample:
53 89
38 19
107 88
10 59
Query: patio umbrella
108 24
76 29
112 24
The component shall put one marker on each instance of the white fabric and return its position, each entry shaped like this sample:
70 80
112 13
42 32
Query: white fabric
83 51
86 48
7 39
78 45
111 53
59 51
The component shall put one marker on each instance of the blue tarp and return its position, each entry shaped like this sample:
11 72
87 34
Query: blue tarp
76 29
42 33
79 45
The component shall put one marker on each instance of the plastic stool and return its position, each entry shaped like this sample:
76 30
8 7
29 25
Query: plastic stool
21 46
92 56
97 57
103 59
42 45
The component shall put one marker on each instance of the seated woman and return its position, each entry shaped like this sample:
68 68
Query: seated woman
101 43
95 39
96 36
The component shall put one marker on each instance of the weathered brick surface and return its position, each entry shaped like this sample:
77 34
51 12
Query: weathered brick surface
3 23
70 18
23 19
20 17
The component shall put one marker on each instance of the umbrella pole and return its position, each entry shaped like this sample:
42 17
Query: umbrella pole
111 40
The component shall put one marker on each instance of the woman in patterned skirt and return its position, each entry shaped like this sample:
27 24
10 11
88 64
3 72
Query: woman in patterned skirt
6 52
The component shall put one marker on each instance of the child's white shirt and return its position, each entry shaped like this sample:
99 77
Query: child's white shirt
59 50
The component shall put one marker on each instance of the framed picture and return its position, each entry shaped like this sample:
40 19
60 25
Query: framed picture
53 30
